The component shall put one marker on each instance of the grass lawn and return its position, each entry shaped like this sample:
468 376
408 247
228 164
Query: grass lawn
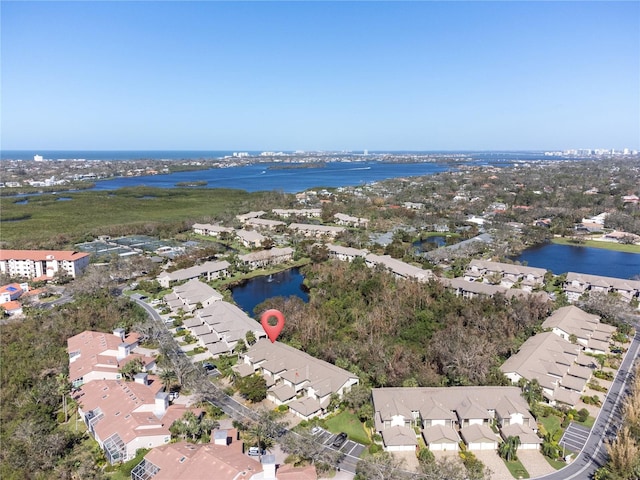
551 423
350 424
598 244
557 464
588 422
517 469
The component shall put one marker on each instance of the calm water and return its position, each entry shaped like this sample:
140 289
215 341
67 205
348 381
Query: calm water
259 289
253 178
595 261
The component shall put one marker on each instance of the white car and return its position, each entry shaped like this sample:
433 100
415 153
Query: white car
315 430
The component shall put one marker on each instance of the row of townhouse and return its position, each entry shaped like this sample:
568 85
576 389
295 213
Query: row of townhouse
340 218
223 459
466 289
191 296
122 416
399 268
208 271
505 274
42 264
298 212
218 325
561 367
304 383
264 258
578 284
445 416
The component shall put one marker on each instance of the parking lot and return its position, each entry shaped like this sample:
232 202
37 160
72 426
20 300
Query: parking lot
349 447
574 438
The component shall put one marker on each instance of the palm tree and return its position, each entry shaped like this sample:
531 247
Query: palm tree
509 448
532 392
168 378
62 380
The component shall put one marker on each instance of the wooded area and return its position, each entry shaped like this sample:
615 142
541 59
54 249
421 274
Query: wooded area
401 333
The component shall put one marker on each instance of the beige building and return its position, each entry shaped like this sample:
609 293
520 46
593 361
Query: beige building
446 415
208 271
294 378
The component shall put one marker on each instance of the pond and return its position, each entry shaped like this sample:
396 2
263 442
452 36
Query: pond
429 243
259 289
595 261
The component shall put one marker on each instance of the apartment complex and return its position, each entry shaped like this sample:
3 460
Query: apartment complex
35 264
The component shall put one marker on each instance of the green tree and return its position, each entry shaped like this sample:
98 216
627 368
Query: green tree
253 388
168 378
532 392
131 368
509 448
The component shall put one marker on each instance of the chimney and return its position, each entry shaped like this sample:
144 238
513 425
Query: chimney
269 467
123 351
119 332
141 378
162 403
220 437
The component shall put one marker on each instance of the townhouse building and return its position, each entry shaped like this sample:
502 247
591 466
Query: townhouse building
445 416
262 258
505 274
578 284
298 212
316 231
349 221
208 271
558 358
249 215
294 378
250 238
264 224
212 230
220 326
191 295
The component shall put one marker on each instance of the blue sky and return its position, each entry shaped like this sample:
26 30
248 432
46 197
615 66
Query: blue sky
320 75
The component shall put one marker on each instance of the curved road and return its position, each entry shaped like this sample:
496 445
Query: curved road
593 455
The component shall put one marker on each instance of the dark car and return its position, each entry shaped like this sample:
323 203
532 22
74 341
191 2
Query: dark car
339 440
209 366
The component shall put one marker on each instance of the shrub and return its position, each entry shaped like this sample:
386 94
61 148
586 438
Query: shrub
374 448
582 415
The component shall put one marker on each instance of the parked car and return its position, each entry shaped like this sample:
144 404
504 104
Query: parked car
255 451
315 430
208 366
339 440
180 329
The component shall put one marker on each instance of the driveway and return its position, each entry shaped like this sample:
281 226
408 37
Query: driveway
491 459
535 463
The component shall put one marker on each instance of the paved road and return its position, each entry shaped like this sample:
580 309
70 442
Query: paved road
593 455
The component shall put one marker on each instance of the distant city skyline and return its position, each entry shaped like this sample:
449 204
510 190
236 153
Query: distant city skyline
320 76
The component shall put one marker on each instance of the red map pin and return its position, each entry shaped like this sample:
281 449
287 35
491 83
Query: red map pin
272 331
